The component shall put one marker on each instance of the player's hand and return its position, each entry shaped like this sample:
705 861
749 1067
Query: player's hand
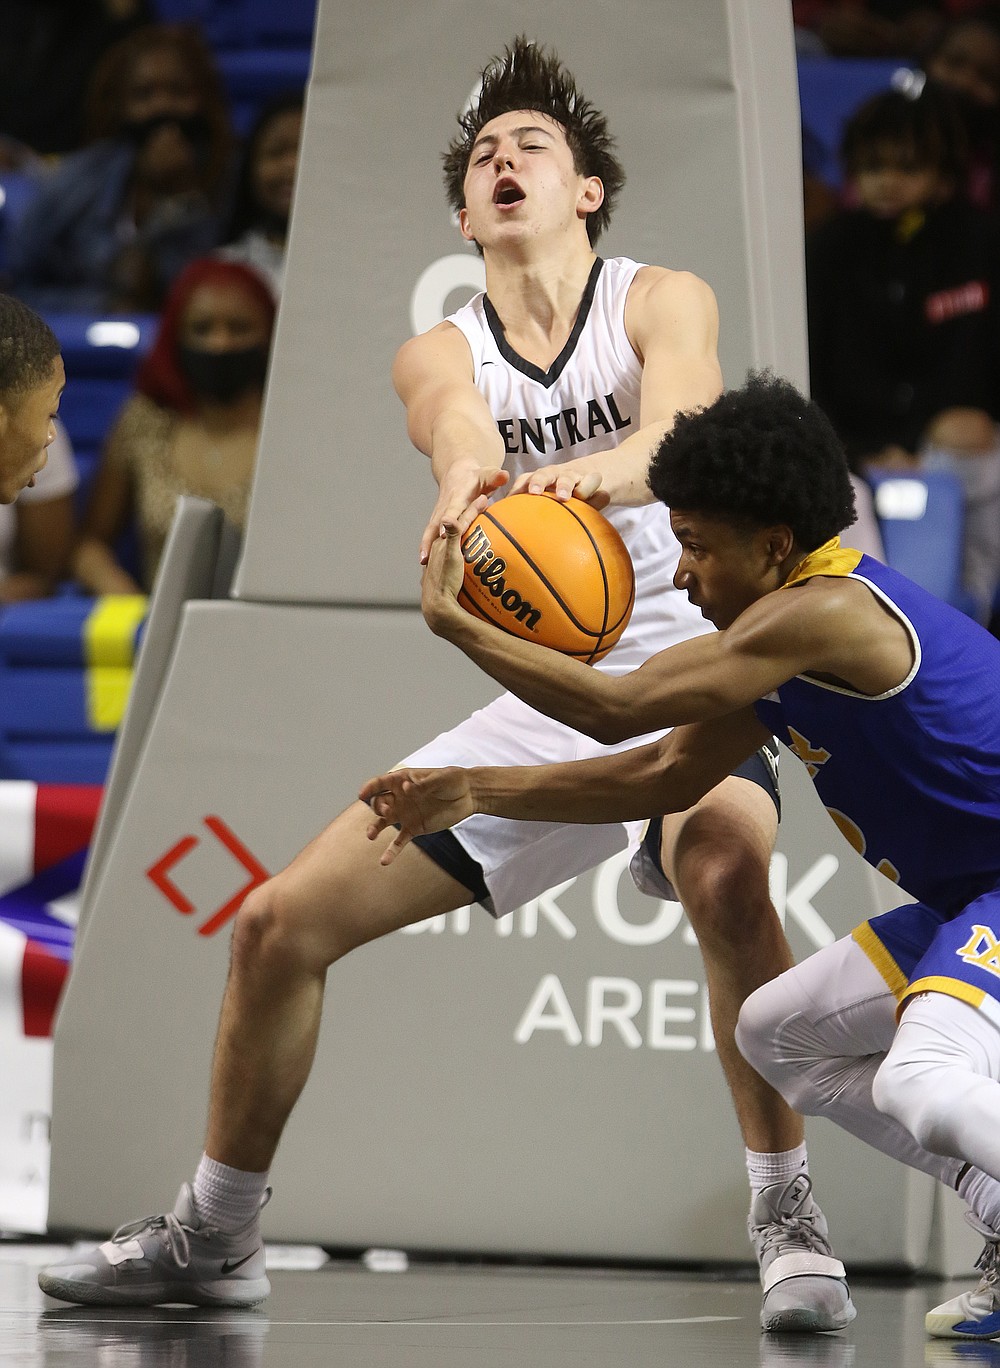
565 482
463 495
443 577
417 801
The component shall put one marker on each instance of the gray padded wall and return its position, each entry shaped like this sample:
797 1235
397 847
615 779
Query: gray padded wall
546 1085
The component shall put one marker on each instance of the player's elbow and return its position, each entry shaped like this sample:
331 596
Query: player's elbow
609 723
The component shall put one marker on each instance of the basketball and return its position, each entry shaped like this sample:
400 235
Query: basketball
549 571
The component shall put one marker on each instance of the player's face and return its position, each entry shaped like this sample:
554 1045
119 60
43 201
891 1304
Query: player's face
722 568
27 427
521 183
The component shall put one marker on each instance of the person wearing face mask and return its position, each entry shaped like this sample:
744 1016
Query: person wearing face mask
113 225
190 428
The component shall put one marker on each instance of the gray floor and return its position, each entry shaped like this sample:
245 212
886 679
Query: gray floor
343 1316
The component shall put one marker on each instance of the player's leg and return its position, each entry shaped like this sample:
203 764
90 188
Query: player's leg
824 1031
718 858
332 898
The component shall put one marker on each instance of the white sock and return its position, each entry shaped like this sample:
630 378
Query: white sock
982 1193
763 1170
227 1198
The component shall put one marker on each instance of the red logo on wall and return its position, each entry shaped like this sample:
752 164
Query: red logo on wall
159 874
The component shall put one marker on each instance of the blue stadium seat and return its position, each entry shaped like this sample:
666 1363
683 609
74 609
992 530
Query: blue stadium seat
830 90
245 23
291 22
65 670
922 519
17 190
101 355
253 76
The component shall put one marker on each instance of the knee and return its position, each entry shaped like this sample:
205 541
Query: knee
757 1028
271 932
909 1091
777 1042
726 898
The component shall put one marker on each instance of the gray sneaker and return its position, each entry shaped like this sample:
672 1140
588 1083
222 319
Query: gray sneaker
805 1285
975 1314
160 1259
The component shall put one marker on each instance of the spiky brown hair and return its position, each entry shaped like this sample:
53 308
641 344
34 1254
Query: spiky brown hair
526 76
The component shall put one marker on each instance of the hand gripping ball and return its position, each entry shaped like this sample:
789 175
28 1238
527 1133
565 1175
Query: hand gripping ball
552 571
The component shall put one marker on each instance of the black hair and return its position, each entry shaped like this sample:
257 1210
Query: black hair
526 76
28 348
758 457
246 212
927 127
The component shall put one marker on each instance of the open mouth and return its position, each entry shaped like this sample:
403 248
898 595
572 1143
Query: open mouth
507 192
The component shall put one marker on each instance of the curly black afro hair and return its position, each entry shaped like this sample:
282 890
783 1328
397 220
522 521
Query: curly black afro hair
759 456
526 76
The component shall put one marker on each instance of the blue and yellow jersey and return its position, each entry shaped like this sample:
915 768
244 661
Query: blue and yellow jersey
912 776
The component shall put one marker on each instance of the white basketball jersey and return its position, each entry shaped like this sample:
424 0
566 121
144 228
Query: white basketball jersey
587 401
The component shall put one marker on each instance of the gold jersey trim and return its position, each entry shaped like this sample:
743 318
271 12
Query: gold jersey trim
829 559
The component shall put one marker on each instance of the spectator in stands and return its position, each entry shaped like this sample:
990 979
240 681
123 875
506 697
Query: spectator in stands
48 50
966 60
38 530
192 426
263 202
901 332
868 28
115 223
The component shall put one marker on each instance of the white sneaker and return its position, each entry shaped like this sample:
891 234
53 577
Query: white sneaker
160 1259
805 1285
976 1314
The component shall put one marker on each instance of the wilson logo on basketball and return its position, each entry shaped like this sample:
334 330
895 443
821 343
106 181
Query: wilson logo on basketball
549 570
489 569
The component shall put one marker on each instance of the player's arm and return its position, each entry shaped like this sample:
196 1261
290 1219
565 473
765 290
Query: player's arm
668 776
672 321
448 419
705 677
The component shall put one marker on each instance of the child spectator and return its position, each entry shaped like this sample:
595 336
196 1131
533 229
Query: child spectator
901 338
116 222
191 427
262 205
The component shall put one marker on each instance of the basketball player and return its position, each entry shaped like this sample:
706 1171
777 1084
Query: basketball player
31 380
564 376
892 700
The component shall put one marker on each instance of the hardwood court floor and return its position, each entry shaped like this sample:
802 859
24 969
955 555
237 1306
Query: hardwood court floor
455 1316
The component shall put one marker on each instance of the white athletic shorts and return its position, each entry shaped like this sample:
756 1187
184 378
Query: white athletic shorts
520 860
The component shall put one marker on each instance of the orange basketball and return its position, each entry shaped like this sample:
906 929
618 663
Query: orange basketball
550 571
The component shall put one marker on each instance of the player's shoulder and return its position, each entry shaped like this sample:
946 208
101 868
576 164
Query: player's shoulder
440 353
659 290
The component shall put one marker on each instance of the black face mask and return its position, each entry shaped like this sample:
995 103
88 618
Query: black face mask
195 128
223 375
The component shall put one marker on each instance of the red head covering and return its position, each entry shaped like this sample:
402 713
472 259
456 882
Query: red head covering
159 376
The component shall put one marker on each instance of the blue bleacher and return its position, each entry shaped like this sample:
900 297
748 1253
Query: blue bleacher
245 23
830 90
922 521
17 189
101 355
